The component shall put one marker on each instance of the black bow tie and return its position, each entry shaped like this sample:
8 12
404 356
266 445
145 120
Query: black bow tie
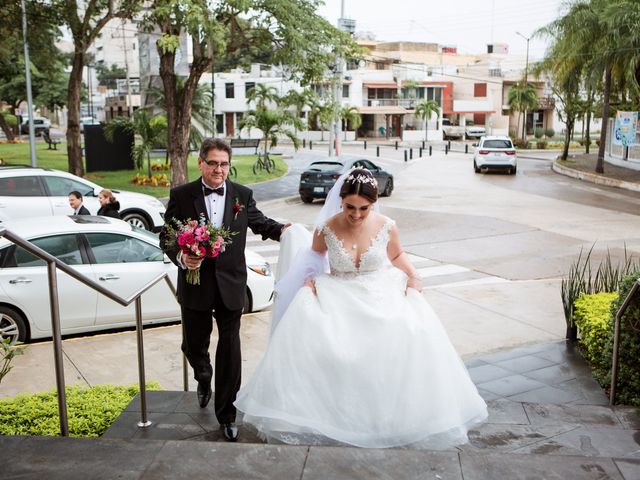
209 191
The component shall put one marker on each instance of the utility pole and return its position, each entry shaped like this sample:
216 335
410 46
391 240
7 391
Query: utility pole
27 69
526 82
346 25
126 69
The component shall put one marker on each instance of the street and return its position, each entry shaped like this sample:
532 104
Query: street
491 249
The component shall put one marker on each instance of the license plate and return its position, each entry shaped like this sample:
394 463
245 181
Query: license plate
318 189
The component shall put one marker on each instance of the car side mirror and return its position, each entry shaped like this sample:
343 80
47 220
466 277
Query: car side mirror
166 259
96 192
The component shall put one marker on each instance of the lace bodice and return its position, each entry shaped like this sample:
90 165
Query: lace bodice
374 258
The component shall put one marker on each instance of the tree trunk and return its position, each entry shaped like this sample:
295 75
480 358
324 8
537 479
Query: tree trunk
8 131
74 141
567 139
587 136
605 120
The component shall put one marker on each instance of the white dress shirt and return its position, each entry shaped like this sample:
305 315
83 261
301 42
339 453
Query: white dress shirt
215 205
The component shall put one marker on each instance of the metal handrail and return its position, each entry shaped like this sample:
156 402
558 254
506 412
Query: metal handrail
616 340
52 265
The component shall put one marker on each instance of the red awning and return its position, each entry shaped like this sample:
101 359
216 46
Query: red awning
380 85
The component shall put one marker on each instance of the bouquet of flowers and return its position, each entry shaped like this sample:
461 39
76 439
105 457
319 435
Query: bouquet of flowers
198 238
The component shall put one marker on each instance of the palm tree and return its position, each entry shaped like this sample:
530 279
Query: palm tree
201 109
521 98
150 131
272 123
323 112
262 94
299 100
425 110
350 114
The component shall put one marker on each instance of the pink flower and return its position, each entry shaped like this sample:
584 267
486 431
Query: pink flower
185 238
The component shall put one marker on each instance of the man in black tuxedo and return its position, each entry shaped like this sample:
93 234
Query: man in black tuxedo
223 279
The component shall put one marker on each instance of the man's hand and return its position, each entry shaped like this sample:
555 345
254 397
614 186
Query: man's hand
191 262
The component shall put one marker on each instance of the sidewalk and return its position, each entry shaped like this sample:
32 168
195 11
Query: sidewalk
583 167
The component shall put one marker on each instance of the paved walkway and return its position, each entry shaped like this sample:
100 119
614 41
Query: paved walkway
548 419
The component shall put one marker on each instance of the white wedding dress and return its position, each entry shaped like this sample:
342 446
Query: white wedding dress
362 362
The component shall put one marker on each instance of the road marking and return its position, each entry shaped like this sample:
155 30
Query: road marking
469 283
448 269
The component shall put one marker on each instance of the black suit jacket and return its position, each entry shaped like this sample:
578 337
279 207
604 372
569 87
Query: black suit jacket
83 211
228 269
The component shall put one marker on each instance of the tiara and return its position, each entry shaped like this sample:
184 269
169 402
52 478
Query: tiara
361 178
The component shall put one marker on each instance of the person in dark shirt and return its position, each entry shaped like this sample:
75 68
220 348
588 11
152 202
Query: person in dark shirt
109 206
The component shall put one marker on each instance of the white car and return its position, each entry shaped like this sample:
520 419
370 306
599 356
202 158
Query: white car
35 192
109 251
40 124
495 153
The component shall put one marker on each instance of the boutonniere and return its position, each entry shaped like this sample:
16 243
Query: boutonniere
237 208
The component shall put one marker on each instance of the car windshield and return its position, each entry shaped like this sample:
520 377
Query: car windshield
325 166
497 144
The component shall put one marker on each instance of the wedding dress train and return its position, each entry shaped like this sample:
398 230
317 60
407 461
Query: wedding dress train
361 362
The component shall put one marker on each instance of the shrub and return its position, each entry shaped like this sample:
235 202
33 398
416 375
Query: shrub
541 145
628 385
538 132
549 132
90 410
519 143
591 314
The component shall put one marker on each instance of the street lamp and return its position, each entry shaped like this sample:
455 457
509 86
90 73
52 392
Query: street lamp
526 79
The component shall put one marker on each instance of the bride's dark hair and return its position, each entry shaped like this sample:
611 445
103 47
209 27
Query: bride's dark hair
360 181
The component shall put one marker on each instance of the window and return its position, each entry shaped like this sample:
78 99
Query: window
345 91
61 186
219 123
115 248
64 247
479 89
229 89
20 187
248 88
497 144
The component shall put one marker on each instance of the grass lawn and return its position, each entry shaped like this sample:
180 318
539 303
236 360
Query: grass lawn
18 154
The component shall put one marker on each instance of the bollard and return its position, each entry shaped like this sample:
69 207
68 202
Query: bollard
430 148
411 154
466 148
378 151
446 149
420 152
423 144
449 144
304 143
396 144
310 144
365 144
405 155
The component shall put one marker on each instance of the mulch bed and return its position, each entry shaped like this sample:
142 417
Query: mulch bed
587 163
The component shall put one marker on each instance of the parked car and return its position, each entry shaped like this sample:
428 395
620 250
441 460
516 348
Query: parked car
34 192
319 177
40 124
87 121
109 251
475 131
451 131
495 153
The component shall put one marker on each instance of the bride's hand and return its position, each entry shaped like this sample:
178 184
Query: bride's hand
309 282
414 282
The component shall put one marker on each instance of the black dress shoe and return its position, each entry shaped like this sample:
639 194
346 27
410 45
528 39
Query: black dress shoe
230 431
204 393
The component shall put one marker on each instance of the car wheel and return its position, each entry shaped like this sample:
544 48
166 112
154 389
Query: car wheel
12 325
137 220
306 198
388 188
247 302
475 167
513 170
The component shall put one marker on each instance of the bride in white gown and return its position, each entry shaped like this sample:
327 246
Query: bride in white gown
359 357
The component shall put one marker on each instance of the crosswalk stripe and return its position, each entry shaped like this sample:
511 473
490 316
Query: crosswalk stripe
467 283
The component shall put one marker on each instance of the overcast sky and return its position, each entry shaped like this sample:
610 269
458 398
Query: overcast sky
468 24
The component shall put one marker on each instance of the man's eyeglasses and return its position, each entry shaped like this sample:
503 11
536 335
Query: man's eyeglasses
214 165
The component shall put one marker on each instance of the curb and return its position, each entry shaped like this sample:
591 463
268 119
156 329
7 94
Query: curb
594 178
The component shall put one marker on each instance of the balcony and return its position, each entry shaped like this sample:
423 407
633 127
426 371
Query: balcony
408 103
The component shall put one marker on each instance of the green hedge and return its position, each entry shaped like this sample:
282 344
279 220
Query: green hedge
628 388
91 411
591 314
